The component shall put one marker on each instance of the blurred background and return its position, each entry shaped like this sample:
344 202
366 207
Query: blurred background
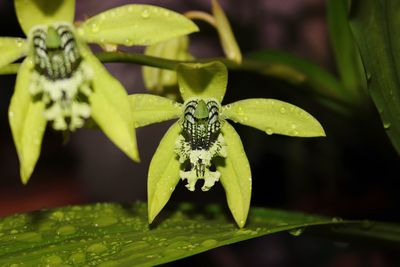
352 173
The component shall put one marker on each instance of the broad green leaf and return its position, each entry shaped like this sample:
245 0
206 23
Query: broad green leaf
208 80
11 49
135 25
298 70
38 12
148 109
228 41
156 79
346 53
163 173
375 25
235 175
119 235
26 121
273 117
110 107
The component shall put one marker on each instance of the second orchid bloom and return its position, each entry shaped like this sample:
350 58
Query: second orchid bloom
202 145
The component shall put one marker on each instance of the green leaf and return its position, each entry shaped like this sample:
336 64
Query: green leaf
156 79
26 121
11 49
118 235
298 70
163 172
235 175
375 27
110 107
42 12
148 109
228 41
208 80
274 117
346 53
135 25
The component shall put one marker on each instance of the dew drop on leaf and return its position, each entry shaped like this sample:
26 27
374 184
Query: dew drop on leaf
296 232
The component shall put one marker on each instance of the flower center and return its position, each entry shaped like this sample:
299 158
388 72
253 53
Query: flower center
201 140
60 78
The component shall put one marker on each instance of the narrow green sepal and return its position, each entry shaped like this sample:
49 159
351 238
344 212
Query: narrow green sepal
208 80
135 25
27 122
11 49
163 173
148 109
235 175
43 12
273 117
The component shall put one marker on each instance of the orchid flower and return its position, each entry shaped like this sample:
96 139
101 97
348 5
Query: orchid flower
202 144
62 82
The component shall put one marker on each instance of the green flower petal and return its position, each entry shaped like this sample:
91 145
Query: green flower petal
110 107
207 80
156 79
39 12
26 121
228 41
11 49
163 172
135 25
235 175
274 117
148 109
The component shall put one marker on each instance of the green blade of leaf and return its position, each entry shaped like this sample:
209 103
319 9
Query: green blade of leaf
163 172
42 12
11 49
156 79
346 53
228 40
375 27
148 109
26 121
299 70
208 80
110 107
235 175
274 117
135 25
119 235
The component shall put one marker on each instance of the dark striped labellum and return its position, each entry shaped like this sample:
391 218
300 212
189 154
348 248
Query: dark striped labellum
60 77
201 140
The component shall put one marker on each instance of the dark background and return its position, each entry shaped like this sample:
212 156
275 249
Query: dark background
352 173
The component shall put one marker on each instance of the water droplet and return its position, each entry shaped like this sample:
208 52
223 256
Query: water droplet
128 41
387 125
337 219
145 14
14 231
96 248
77 258
94 28
282 110
10 114
130 8
53 260
29 237
104 221
66 230
369 76
297 231
209 243
19 42
57 215
269 131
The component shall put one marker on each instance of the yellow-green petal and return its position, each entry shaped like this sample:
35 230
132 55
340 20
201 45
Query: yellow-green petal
110 107
273 117
228 41
208 80
39 12
163 172
135 25
11 49
156 79
148 109
235 175
26 121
